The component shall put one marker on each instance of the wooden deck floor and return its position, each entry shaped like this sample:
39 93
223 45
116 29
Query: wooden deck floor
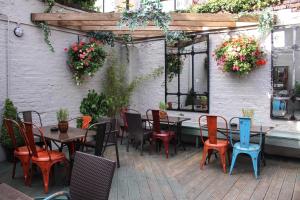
179 177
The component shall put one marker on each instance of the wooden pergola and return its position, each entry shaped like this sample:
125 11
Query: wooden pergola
188 22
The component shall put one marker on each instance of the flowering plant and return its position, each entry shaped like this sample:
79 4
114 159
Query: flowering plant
85 59
239 55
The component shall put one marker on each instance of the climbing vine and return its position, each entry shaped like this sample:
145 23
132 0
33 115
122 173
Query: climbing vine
149 11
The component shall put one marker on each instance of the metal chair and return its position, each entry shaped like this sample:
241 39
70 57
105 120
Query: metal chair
135 130
21 153
91 178
213 143
163 135
44 159
105 136
244 146
34 117
124 125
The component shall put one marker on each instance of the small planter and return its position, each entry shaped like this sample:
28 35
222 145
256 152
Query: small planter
162 114
63 126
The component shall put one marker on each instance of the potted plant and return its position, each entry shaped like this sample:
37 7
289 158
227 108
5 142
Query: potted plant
248 113
162 109
203 102
10 112
239 55
62 118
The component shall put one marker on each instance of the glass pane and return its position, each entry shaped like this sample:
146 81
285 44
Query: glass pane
201 103
200 73
283 38
186 102
186 74
172 101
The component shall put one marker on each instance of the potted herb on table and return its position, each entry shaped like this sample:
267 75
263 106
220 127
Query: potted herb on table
62 118
162 109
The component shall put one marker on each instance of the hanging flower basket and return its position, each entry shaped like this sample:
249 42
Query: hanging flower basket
239 55
85 59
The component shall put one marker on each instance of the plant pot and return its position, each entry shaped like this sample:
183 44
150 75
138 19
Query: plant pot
63 126
9 152
162 114
170 105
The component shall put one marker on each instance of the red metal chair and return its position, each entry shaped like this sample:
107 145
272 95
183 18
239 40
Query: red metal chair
21 153
213 143
44 159
124 125
164 135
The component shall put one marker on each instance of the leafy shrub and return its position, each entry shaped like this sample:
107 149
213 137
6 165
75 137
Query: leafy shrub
10 112
233 6
94 105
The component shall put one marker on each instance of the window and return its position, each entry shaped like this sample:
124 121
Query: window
186 80
285 101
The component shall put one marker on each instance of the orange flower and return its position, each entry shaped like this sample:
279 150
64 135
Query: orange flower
261 62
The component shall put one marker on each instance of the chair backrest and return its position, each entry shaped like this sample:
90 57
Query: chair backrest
86 120
245 130
156 120
9 125
100 129
134 122
123 117
212 127
91 177
30 137
31 116
245 126
279 105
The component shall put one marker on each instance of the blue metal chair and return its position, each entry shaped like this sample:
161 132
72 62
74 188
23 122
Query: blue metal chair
244 146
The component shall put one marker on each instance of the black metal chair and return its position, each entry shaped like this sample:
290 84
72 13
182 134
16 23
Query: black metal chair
135 130
34 117
106 136
91 178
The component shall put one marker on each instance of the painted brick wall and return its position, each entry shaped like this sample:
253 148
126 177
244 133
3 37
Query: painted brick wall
39 79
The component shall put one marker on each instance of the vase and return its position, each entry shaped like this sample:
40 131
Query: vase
63 126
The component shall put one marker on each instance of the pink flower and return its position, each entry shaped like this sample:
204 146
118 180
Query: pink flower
65 49
81 56
242 58
235 68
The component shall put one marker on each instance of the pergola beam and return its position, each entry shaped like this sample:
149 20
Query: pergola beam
202 17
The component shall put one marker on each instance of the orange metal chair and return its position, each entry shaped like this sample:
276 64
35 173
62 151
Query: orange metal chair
213 143
44 159
86 120
21 153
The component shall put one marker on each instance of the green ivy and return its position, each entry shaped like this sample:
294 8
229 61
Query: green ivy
47 32
105 37
173 37
233 6
149 11
174 66
266 22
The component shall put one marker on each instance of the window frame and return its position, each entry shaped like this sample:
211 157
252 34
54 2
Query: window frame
179 94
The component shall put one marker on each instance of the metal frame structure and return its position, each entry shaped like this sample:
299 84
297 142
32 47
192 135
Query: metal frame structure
179 94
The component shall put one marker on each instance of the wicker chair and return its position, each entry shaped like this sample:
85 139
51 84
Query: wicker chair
91 178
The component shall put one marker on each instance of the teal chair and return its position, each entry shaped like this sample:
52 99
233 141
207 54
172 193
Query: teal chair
244 146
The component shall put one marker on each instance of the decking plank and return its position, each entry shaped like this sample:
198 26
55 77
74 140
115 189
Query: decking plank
287 188
276 184
296 192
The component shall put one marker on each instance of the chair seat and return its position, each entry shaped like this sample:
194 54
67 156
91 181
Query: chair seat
164 134
252 147
220 143
23 151
44 156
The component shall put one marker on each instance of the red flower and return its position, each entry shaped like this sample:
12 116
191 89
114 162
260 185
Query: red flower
65 49
92 39
261 62
75 48
81 43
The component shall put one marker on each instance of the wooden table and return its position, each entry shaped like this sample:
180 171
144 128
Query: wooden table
254 131
9 193
73 135
177 121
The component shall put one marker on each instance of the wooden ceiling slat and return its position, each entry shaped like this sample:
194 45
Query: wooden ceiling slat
174 23
204 17
147 28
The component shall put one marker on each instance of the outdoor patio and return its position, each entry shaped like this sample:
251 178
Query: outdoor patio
205 95
179 177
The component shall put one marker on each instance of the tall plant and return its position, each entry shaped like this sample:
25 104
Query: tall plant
118 89
10 112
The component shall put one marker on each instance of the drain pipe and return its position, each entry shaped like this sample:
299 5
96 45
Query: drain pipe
4 17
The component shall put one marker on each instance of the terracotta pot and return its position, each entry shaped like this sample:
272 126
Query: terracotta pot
162 114
63 126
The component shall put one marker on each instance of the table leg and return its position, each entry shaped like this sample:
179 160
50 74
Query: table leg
263 149
179 134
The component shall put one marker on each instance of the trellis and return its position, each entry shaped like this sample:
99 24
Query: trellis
188 22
